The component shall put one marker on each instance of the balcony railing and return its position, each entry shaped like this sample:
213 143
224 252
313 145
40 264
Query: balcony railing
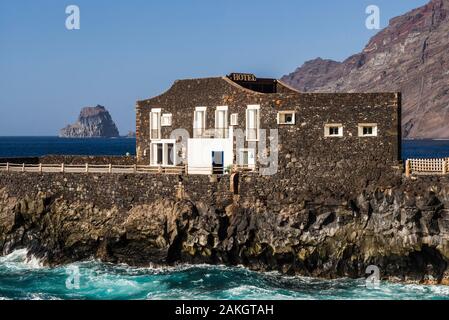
217 133
155 134
252 134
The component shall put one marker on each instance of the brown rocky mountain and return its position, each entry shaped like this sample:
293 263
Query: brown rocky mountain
411 55
93 122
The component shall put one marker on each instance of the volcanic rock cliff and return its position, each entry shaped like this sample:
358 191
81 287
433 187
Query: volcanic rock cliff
93 122
411 55
140 220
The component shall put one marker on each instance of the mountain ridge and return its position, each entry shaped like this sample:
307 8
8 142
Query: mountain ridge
409 55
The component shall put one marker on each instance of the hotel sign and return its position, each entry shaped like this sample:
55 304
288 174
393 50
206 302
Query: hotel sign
242 77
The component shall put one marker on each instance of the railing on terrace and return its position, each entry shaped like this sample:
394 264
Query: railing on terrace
217 133
426 166
90 168
109 168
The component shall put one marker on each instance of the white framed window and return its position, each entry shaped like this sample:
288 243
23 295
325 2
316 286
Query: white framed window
155 124
166 119
234 119
333 130
221 122
247 158
163 153
199 122
252 122
367 130
286 117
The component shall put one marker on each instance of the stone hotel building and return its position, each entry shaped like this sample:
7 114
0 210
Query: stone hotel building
213 124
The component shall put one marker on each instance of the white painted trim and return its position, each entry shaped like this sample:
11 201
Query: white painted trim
164 143
286 112
364 125
257 108
236 122
203 125
329 125
168 116
155 111
240 159
226 124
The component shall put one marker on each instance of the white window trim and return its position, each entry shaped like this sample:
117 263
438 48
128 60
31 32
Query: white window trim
234 116
364 125
164 143
168 116
286 112
340 130
226 124
253 107
158 111
202 109
240 158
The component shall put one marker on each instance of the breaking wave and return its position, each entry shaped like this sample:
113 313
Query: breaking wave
24 277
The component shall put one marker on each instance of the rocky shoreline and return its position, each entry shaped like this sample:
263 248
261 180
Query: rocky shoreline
403 229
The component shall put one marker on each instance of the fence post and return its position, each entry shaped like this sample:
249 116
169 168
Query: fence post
87 168
23 167
407 168
40 167
444 166
7 167
135 168
186 168
62 167
110 168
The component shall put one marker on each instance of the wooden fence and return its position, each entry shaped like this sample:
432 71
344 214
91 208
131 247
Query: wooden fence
109 168
89 168
426 166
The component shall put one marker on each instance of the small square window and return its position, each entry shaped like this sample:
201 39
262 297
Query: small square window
367 130
166 119
234 119
286 117
333 130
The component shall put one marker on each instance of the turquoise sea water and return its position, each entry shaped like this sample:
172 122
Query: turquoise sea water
23 279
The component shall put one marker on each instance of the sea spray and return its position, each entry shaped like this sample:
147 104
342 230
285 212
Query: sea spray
20 279
21 259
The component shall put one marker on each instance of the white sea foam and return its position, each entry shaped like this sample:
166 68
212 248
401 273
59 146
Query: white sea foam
21 260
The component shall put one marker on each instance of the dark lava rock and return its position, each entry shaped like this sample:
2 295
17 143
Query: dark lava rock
93 122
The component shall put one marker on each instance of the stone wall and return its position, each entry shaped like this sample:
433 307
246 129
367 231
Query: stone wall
121 190
298 182
72 159
117 160
288 225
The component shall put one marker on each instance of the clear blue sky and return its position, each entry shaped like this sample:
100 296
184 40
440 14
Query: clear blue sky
135 49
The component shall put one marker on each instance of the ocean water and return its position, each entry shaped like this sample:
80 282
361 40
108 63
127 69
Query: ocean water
40 146
21 278
28 279
425 149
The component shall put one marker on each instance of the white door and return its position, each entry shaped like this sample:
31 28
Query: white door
248 158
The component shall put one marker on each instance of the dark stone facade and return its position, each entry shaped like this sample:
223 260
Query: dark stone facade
303 146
